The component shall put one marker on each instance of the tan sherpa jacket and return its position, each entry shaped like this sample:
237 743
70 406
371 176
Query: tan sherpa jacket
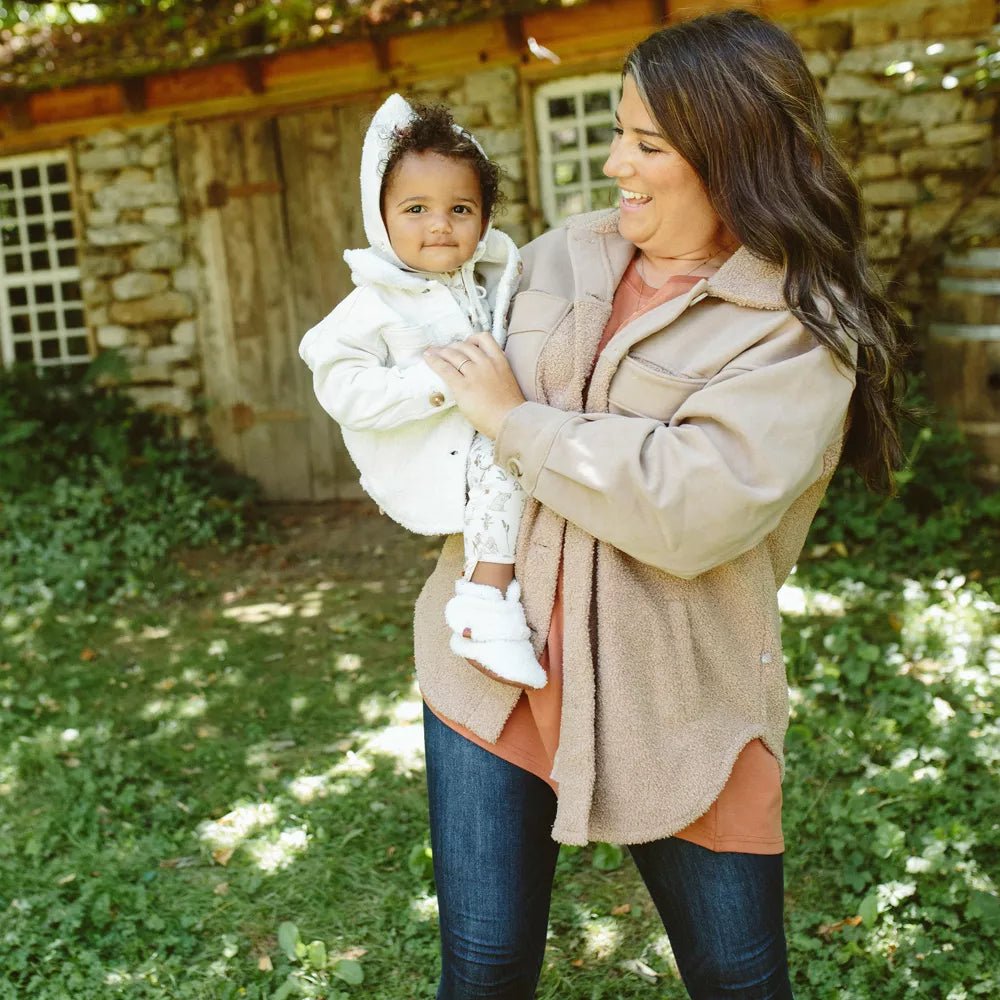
677 487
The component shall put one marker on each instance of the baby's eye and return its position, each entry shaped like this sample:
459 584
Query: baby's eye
462 209
415 209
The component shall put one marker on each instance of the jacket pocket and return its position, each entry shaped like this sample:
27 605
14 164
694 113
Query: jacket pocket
641 388
406 343
536 312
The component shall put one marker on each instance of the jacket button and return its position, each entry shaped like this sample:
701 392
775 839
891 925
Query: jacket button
765 658
514 467
437 399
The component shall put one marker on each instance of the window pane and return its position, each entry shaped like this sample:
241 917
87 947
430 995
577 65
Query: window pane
599 135
6 179
596 101
596 164
77 346
44 295
13 264
47 321
21 323
73 319
569 204
562 107
22 351
60 202
31 177
567 172
36 232
40 260
33 205
56 173
67 256
17 296
11 236
50 348
70 291
604 197
565 138
63 229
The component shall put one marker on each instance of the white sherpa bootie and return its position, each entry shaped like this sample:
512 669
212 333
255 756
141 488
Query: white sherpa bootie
500 635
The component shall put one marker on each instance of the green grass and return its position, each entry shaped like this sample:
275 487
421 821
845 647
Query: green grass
178 782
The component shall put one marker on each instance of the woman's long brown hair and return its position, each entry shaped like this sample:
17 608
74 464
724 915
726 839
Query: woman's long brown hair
732 94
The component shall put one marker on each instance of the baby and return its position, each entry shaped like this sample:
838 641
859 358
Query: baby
436 272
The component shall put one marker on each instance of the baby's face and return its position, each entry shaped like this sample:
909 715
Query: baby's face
433 211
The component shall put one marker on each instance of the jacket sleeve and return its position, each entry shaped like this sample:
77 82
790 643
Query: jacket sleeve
695 493
354 379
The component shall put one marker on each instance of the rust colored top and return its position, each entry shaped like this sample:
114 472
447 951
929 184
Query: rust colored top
746 817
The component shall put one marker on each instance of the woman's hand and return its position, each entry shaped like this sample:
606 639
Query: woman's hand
478 375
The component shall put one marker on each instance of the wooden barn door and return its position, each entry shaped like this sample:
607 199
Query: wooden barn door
273 203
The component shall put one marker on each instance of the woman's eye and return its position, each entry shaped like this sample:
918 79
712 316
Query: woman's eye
648 149
618 130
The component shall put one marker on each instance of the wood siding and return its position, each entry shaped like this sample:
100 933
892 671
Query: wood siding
272 204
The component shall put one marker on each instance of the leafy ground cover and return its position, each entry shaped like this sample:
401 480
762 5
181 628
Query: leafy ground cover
179 784
215 789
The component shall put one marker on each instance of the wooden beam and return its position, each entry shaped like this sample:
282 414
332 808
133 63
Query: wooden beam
204 83
517 41
77 102
134 93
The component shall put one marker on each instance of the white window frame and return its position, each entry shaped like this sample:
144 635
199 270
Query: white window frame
593 188
35 284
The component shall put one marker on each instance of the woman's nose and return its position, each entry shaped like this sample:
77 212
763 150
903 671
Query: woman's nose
614 165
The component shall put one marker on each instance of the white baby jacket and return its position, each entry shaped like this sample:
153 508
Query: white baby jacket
398 418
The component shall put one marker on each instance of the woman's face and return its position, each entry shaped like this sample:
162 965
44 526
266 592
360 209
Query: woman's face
665 210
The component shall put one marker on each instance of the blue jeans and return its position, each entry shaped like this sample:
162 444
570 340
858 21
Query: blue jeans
494 860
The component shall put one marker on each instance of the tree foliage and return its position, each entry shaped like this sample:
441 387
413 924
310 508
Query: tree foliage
57 43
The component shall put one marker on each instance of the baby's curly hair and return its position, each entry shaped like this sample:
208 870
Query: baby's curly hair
432 130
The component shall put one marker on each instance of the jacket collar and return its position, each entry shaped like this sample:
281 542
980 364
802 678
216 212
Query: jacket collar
745 279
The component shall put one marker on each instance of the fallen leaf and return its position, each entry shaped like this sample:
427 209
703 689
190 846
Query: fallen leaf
620 911
222 856
353 953
264 963
828 930
577 963
66 879
390 850
87 655
640 969
221 889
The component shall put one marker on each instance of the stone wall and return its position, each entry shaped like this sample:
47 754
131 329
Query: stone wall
138 277
922 138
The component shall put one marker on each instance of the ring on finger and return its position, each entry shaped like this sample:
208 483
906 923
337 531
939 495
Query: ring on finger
463 364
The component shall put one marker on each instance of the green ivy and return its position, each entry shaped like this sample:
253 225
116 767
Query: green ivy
96 494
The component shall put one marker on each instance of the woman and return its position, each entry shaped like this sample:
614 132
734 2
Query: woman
682 375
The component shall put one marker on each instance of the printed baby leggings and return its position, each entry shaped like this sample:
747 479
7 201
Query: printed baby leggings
493 510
